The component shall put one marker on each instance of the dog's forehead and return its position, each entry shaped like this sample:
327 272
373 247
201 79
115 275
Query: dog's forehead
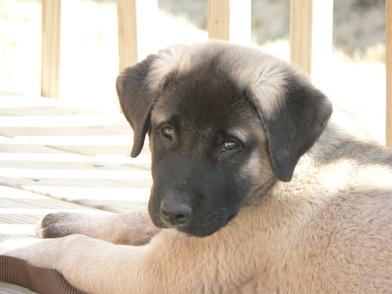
262 75
203 97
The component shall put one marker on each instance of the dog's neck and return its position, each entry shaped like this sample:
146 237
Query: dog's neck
335 163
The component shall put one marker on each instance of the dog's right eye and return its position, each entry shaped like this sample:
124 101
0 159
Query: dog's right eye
231 145
167 132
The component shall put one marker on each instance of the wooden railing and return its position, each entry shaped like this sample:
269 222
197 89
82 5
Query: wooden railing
388 61
50 60
310 36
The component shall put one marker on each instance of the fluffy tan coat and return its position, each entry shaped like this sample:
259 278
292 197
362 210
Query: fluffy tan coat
329 230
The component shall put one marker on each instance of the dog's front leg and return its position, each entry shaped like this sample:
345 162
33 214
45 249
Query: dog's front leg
96 266
91 265
133 227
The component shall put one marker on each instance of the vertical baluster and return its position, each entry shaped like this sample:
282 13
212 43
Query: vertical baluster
135 29
389 73
230 20
50 62
311 23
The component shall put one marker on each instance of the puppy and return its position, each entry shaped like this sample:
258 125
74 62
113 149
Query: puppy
254 189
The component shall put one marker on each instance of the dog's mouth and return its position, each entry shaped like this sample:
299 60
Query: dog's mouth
202 227
199 219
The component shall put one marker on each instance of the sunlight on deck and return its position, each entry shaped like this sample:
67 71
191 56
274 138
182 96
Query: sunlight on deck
58 158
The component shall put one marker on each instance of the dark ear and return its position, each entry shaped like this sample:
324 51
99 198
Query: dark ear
136 99
295 125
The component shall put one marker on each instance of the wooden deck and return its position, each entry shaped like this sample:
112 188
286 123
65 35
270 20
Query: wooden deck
54 157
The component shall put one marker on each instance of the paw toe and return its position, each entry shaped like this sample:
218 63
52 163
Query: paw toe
52 218
52 231
53 225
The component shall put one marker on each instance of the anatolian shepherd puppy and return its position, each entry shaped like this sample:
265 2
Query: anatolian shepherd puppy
254 189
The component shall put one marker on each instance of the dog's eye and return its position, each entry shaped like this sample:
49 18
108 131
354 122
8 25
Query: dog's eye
167 132
230 144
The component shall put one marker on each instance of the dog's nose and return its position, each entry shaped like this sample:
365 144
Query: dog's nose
175 213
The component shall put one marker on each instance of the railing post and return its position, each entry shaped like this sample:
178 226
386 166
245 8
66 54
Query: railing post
301 33
50 62
127 32
230 20
311 23
135 29
388 39
218 19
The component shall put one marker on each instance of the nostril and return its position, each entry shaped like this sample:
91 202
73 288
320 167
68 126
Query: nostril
182 218
178 214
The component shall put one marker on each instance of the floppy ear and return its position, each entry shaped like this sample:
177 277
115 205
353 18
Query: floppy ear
295 124
136 99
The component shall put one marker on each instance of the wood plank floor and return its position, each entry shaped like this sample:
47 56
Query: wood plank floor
59 158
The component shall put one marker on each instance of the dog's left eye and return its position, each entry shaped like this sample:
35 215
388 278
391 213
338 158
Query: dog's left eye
230 144
167 132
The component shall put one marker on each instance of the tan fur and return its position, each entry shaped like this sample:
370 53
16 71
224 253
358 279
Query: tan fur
307 236
329 230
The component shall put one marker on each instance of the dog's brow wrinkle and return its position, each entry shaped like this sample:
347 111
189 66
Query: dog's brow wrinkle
157 122
239 133
158 116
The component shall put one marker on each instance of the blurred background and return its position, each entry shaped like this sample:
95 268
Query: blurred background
355 79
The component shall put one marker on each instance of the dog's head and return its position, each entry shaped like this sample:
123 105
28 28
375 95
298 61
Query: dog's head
223 120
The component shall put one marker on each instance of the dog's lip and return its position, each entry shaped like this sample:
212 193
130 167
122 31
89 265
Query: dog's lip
192 231
200 234
164 224
188 229
182 228
185 228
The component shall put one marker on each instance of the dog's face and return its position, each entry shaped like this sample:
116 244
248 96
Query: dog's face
218 132
203 137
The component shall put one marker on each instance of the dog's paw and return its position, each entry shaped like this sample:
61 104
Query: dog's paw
134 228
60 224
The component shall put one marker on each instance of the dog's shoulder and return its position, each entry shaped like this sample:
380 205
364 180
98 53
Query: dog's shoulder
341 162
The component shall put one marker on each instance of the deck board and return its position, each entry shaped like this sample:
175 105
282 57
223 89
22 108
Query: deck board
58 158
70 153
